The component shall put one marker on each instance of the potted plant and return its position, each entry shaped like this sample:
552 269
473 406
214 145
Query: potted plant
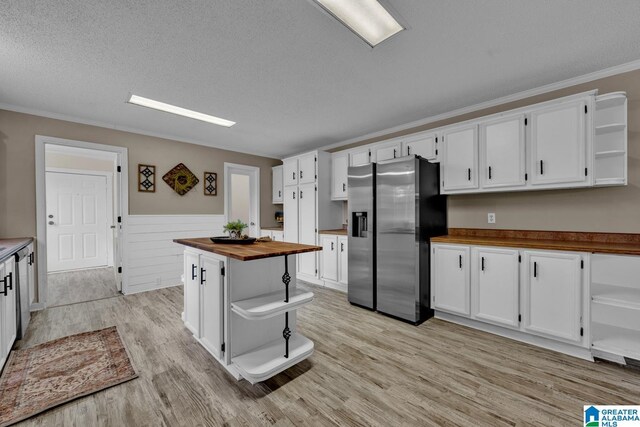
235 228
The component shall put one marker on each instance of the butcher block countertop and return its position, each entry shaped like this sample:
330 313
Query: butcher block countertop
11 246
257 250
338 231
606 243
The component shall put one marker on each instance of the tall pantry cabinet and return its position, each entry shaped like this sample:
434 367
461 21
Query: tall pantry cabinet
308 207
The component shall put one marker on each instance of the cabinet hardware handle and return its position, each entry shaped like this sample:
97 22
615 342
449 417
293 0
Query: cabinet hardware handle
394 153
203 276
541 167
193 272
294 195
341 247
10 275
279 193
489 172
460 260
482 263
535 269
301 194
469 174
3 290
300 174
331 245
294 175
344 187
408 150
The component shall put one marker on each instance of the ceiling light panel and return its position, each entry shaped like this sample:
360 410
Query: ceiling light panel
168 108
367 18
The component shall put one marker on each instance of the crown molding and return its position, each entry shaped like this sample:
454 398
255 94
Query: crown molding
80 120
585 78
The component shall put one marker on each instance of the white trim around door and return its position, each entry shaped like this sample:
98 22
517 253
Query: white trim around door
121 200
254 178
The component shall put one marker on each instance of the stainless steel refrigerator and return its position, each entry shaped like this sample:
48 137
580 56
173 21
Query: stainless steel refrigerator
409 210
362 236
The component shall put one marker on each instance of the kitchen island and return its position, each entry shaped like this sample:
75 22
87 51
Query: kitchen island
240 303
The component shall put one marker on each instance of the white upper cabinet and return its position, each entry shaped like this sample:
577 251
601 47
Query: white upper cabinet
277 184
290 168
339 174
502 152
423 146
360 157
459 166
495 286
552 287
307 169
559 144
388 151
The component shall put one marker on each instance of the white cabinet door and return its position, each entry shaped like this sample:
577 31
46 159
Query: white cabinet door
8 303
502 152
343 260
339 169
291 214
212 304
360 157
558 144
388 151
307 169
329 257
192 292
552 294
277 183
290 171
424 146
495 284
307 232
451 278
3 352
459 165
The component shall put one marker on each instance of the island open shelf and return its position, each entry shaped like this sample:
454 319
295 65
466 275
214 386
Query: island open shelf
240 303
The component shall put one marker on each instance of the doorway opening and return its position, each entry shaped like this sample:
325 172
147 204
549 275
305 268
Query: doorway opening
79 216
242 196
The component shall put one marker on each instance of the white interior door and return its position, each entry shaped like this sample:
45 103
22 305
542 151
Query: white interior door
242 196
77 221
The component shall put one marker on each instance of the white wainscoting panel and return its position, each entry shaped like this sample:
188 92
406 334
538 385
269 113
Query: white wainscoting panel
151 259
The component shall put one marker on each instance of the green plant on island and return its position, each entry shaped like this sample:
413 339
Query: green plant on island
235 228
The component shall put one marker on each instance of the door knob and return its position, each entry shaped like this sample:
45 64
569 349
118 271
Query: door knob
50 222
252 223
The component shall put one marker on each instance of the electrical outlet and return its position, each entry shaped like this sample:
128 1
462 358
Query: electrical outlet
491 218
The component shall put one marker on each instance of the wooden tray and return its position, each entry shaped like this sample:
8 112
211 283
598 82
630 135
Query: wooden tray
229 241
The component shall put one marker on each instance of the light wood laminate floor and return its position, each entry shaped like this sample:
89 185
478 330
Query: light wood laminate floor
367 369
70 287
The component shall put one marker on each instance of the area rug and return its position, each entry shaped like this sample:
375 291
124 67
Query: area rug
38 378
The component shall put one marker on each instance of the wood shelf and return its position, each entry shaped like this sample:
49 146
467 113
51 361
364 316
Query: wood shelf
616 296
268 360
271 304
609 100
613 127
619 341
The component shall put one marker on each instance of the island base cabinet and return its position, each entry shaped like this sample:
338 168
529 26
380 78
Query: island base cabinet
452 278
495 286
8 327
553 297
212 305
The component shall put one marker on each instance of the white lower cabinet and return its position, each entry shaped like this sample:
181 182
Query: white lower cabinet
452 279
8 328
537 296
335 259
343 260
203 299
495 286
552 289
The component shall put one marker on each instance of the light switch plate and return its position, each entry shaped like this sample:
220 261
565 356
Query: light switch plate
491 218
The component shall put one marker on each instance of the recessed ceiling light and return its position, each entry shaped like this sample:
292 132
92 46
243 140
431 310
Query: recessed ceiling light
168 108
367 18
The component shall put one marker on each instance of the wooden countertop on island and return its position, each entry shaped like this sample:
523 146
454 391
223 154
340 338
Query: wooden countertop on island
257 250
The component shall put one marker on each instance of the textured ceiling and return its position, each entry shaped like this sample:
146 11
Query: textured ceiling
292 77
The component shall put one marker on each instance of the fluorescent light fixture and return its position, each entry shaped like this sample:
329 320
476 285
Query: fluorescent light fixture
367 18
168 108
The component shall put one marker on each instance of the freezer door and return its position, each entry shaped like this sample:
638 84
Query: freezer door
397 245
361 243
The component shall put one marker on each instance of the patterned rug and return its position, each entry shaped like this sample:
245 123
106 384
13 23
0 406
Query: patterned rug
38 378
